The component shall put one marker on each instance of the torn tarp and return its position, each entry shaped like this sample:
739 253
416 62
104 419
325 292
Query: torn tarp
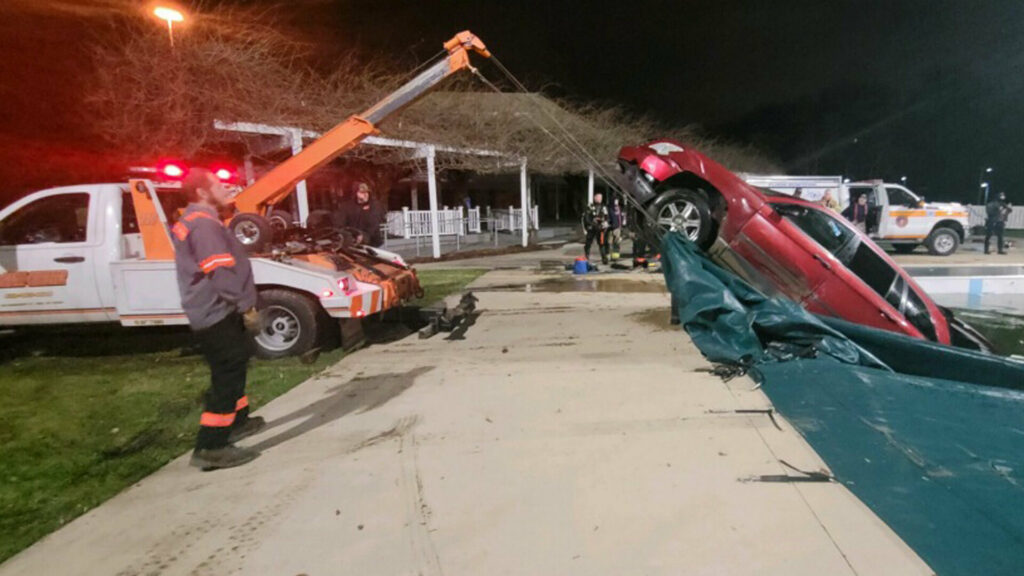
940 461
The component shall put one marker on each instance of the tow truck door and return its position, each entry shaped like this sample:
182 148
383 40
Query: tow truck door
48 244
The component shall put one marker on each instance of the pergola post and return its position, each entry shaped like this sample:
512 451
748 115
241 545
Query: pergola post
414 197
524 202
590 187
435 231
301 194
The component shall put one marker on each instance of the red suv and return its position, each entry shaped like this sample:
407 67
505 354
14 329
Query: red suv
782 244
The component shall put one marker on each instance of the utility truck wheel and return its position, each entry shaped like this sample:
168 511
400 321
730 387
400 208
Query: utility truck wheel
686 212
942 242
291 324
253 231
280 221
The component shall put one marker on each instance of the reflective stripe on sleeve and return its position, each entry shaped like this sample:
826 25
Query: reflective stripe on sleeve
216 261
214 420
243 402
180 231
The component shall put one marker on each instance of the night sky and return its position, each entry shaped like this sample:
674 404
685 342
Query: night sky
928 90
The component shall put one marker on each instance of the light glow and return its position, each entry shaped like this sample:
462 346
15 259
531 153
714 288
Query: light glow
173 171
224 174
168 14
326 294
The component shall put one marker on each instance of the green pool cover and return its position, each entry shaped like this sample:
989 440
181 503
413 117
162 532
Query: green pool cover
930 437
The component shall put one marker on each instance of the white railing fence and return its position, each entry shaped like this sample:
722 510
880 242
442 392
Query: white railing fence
512 218
1014 221
407 223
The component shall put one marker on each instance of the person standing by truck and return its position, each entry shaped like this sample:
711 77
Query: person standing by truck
616 223
996 213
363 216
219 297
857 212
595 224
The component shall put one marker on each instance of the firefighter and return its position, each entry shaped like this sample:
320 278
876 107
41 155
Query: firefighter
595 224
996 213
363 216
219 297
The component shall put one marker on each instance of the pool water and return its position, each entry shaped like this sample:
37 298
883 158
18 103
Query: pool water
1003 329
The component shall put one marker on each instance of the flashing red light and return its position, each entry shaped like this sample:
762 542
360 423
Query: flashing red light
326 294
224 174
344 284
360 313
173 171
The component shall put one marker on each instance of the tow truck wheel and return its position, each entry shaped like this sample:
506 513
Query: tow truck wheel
686 212
253 231
942 242
280 221
291 324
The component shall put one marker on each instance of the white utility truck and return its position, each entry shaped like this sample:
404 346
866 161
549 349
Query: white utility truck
78 254
896 216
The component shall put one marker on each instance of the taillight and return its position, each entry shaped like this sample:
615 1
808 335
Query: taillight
345 284
326 294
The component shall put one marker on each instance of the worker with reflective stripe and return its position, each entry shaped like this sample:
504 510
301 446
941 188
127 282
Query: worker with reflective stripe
219 297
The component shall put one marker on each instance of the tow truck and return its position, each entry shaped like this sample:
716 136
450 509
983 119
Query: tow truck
102 252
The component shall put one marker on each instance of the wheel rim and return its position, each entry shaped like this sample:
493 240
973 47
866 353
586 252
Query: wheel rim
278 223
682 217
247 232
944 243
281 329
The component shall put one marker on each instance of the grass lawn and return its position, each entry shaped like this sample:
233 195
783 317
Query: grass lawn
86 412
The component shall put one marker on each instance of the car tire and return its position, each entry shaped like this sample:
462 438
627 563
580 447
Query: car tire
280 221
684 210
292 324
942 242
253 231
904 248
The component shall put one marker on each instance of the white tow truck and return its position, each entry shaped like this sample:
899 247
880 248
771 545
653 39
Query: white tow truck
896 216
102 252
77 254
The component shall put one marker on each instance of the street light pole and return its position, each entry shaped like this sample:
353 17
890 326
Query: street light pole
981 181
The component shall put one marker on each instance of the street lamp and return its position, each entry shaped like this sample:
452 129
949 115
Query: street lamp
903 179
984 185
171 16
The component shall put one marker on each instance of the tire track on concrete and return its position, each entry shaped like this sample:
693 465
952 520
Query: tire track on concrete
417 511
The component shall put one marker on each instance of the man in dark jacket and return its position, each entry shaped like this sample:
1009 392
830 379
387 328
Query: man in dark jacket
996 213
364 216
857 212
595 224
218 295
616 224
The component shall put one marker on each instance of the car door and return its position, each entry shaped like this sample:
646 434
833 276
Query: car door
904 218
840 294
47 244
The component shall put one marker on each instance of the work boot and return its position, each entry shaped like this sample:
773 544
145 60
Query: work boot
252 425
227 457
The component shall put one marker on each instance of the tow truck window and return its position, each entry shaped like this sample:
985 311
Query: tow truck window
900 197
58 219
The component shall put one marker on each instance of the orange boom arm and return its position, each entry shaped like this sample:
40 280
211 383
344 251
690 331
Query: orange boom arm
279 182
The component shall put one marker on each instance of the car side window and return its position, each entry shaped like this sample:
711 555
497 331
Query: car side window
61 219
822 228
900 197
129 221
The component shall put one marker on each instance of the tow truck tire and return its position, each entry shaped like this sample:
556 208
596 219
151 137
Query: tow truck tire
280 221
292 324
942 242
682 209
253 231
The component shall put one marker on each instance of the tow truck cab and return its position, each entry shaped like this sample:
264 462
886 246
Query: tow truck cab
75 254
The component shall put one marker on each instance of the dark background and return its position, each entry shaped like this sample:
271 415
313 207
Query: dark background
928 90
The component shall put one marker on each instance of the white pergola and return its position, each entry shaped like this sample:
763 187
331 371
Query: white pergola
293 137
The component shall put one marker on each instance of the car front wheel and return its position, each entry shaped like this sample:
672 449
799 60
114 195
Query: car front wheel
942 242
686 212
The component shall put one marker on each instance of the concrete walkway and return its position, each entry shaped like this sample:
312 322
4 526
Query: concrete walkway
566 433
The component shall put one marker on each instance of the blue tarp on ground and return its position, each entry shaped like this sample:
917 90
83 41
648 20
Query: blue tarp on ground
940 461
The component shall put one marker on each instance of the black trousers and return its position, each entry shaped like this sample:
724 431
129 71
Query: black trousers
602 242
996 229
226 348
